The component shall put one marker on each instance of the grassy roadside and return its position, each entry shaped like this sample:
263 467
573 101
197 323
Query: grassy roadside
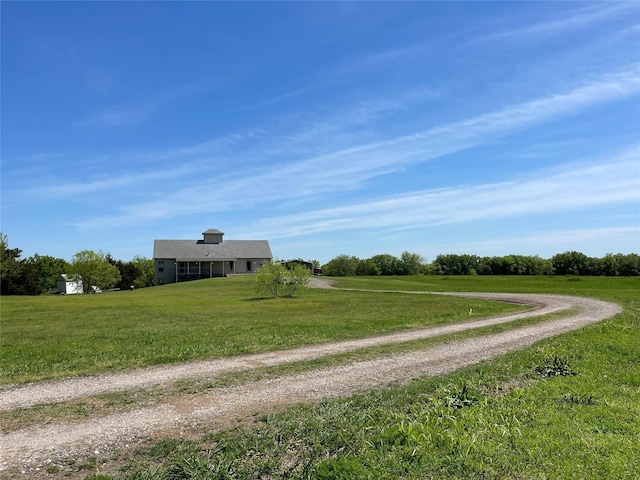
57 336
567 407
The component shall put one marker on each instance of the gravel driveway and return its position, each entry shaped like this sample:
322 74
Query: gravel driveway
217 407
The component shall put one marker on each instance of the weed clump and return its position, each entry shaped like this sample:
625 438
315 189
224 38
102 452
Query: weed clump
578 399
558 366
458 396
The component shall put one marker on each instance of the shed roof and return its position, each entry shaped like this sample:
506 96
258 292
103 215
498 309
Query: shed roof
69 278
198 250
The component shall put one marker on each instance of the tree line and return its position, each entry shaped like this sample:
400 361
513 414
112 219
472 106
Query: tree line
39 274
567 263
383 264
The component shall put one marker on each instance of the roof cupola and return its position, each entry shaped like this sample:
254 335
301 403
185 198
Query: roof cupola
212 236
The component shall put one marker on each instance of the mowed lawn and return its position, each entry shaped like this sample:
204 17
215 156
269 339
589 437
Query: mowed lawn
53 336
617 289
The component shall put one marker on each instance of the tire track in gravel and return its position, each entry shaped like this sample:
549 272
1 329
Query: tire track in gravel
217 406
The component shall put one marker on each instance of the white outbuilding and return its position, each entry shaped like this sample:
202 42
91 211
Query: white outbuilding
69 284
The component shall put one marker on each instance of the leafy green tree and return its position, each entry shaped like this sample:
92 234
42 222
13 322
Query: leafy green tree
572 263
620 264
146 267
17 276
630 265
388 264
514 265
296 279
610 265
10 267
367 267
270 278
95 270
29 280
411 263
453 264
48 270
275 279
341 266
129 274
139 272
538 266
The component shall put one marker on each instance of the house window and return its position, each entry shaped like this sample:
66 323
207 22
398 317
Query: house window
248 265
183 267
160 267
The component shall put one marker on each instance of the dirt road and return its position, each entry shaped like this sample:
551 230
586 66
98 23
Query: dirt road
216 407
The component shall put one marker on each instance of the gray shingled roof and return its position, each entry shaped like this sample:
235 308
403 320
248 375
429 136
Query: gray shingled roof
198 250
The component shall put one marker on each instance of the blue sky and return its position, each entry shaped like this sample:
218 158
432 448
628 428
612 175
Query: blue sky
325 128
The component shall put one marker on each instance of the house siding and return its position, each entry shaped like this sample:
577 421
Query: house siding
165 270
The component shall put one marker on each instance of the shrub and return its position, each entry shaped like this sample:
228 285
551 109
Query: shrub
274 278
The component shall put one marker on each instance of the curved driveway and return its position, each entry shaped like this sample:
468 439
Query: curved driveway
217 407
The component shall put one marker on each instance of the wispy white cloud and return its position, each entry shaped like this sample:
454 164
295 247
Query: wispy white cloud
105 184
563 237
578 186
357 163
573 20
286 95
295 178
124 114
377 59
344 68
216 159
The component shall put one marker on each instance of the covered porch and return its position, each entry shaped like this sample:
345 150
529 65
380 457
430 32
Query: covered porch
198 269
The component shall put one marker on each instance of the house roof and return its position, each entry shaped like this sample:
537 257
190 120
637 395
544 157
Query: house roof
213 230
198 250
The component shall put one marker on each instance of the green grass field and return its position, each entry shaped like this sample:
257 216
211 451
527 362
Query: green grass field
616 289
55 336
564 408
500 419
